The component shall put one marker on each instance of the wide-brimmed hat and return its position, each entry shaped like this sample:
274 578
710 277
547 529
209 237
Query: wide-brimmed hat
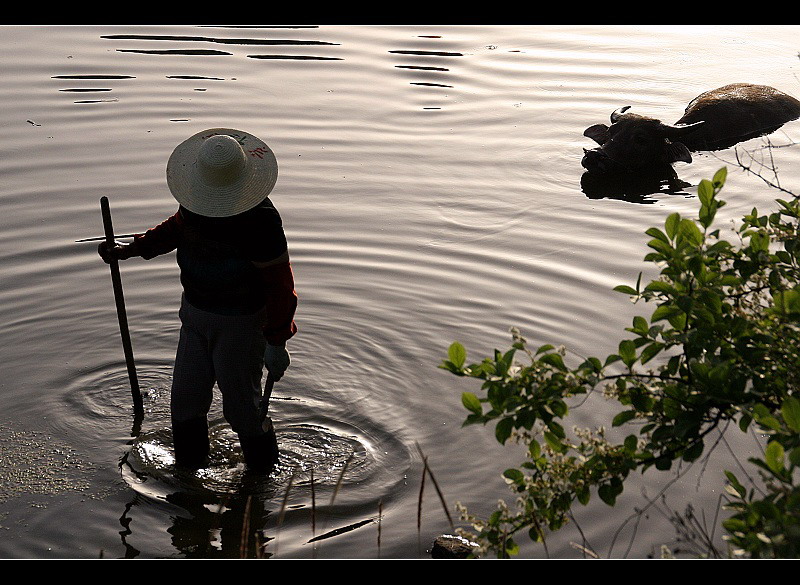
221 172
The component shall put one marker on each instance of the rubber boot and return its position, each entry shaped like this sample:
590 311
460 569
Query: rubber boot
260 451
190 442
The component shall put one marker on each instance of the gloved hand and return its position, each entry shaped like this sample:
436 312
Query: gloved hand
117 251
276 359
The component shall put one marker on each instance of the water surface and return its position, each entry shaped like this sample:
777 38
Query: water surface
430 186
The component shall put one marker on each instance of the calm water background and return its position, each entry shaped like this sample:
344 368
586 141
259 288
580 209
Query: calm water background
430 190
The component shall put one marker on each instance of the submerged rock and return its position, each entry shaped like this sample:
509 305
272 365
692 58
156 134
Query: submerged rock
449 546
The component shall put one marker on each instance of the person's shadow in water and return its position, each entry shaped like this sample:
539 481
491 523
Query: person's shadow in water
222 526
230 526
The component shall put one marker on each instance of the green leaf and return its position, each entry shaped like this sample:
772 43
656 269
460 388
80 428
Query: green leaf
657 233
759 242
790 409
744 422
514 475
640 326
623 417
627 351
607 495
665 312
671 225
774 455
626 290
719 177
594 363
451 367
559 408
738 488
643 402
471 402
660 286
503 430
661 246
705 192
555 360
457 354
554 442
688 231
651 351
663 463
609 492
693 452
764 417
787 302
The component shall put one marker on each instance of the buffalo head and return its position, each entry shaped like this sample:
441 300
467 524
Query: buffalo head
635 142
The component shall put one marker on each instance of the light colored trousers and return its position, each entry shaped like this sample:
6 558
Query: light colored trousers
222 349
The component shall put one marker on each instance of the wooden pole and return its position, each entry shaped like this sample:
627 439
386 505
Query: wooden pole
116 279
263 404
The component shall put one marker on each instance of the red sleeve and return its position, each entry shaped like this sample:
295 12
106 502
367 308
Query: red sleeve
281 302
161 239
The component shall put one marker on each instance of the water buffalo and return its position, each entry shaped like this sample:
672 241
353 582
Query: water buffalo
713 120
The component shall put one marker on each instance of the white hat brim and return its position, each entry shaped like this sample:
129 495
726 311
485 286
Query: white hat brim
253 185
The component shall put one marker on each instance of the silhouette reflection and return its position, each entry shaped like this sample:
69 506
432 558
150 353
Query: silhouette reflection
636 187
230 526
213 526
206 523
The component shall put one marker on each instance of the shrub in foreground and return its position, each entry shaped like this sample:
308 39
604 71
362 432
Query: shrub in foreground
721 346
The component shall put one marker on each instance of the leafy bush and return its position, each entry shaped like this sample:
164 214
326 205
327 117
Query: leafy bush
721 346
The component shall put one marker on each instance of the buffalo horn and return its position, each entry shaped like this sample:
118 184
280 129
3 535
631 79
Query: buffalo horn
618 112
679 129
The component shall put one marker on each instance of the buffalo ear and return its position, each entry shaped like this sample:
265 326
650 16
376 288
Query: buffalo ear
598 133
677 151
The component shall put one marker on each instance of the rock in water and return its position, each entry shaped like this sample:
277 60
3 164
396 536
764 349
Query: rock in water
448 546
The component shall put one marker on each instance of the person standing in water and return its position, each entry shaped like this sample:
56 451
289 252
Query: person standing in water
239 301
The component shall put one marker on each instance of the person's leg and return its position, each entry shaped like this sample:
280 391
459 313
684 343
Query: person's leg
238 357
192 391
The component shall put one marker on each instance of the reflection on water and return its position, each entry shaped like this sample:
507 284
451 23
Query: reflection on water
249 42
431 191
642 187
224 41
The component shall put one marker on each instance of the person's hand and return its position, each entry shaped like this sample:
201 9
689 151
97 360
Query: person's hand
276 359
115 251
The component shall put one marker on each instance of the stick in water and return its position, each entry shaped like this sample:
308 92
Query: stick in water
116 279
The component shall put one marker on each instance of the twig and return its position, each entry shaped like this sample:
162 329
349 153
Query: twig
283 506
436 487
313 506
421 491
380 523
245 529
341 477
342 530
585 547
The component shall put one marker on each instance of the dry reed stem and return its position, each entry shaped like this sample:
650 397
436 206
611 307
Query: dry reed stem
421 492
436 487
243 549
282 511
380 519
313 506
286 497
341 477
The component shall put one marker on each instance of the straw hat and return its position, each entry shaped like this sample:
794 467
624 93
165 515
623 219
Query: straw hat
221 172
